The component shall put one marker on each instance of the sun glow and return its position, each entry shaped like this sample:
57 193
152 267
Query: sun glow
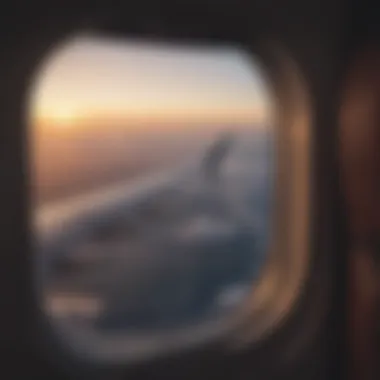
63 117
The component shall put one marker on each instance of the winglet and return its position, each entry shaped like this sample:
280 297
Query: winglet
214 157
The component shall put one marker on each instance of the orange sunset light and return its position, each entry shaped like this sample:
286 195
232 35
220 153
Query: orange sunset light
64 117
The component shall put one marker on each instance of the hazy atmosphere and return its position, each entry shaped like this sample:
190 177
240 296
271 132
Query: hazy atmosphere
102 110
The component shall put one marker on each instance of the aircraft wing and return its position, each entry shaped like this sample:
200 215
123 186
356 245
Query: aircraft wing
64 222
122 242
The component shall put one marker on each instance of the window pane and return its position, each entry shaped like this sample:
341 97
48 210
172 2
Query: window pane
152 186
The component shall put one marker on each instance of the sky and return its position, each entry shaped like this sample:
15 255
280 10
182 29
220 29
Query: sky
89 77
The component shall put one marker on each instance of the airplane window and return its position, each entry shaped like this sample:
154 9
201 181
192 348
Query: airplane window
152 188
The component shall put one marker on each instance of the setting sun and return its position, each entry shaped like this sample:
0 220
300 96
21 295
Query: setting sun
58 118
64 116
